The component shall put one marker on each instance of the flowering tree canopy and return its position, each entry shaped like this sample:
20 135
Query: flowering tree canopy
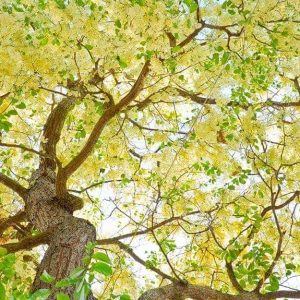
149 149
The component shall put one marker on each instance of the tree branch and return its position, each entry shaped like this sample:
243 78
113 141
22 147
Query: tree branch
232 277
203 100
5 223
20 147
223 28
127 249
148 230
196 98
278 254
297 85
172 39
281 294
183 291
275 207
28 243
94 185
190 37
52 130
154 129
263 213
108 114
196 292
2 97
15 186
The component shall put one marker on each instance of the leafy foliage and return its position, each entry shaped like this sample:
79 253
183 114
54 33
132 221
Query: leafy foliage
194 175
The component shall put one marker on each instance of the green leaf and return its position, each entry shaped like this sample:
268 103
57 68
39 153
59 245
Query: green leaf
79 294
148 54
2 291
191 4
89 247
79 2
99 107
176 49
102 268
125 297
22 105
118 23
230 137
62 296
3 252
42 4
76 273
274 283
60 4
121 62
215 57
81 133
12 112
225 58
64 283
41 294
168 245
82 290
102 257
290 266
138 2
55 41
18 8
47 278
44 41
171 64
88 47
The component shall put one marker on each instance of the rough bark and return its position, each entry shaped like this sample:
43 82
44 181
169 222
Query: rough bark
181 291
66 251
52 131
68 235
188 291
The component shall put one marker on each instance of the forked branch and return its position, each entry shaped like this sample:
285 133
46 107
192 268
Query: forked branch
108 114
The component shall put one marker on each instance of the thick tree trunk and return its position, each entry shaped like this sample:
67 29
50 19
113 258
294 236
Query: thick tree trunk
66 251
68 234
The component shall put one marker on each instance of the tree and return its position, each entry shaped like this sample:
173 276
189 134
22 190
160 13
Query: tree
152 146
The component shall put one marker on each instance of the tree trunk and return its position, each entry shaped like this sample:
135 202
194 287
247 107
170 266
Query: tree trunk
68 234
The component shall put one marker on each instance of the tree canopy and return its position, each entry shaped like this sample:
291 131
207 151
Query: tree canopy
149 149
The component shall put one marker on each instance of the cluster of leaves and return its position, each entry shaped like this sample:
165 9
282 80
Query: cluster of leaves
6 270
12 285
258 258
